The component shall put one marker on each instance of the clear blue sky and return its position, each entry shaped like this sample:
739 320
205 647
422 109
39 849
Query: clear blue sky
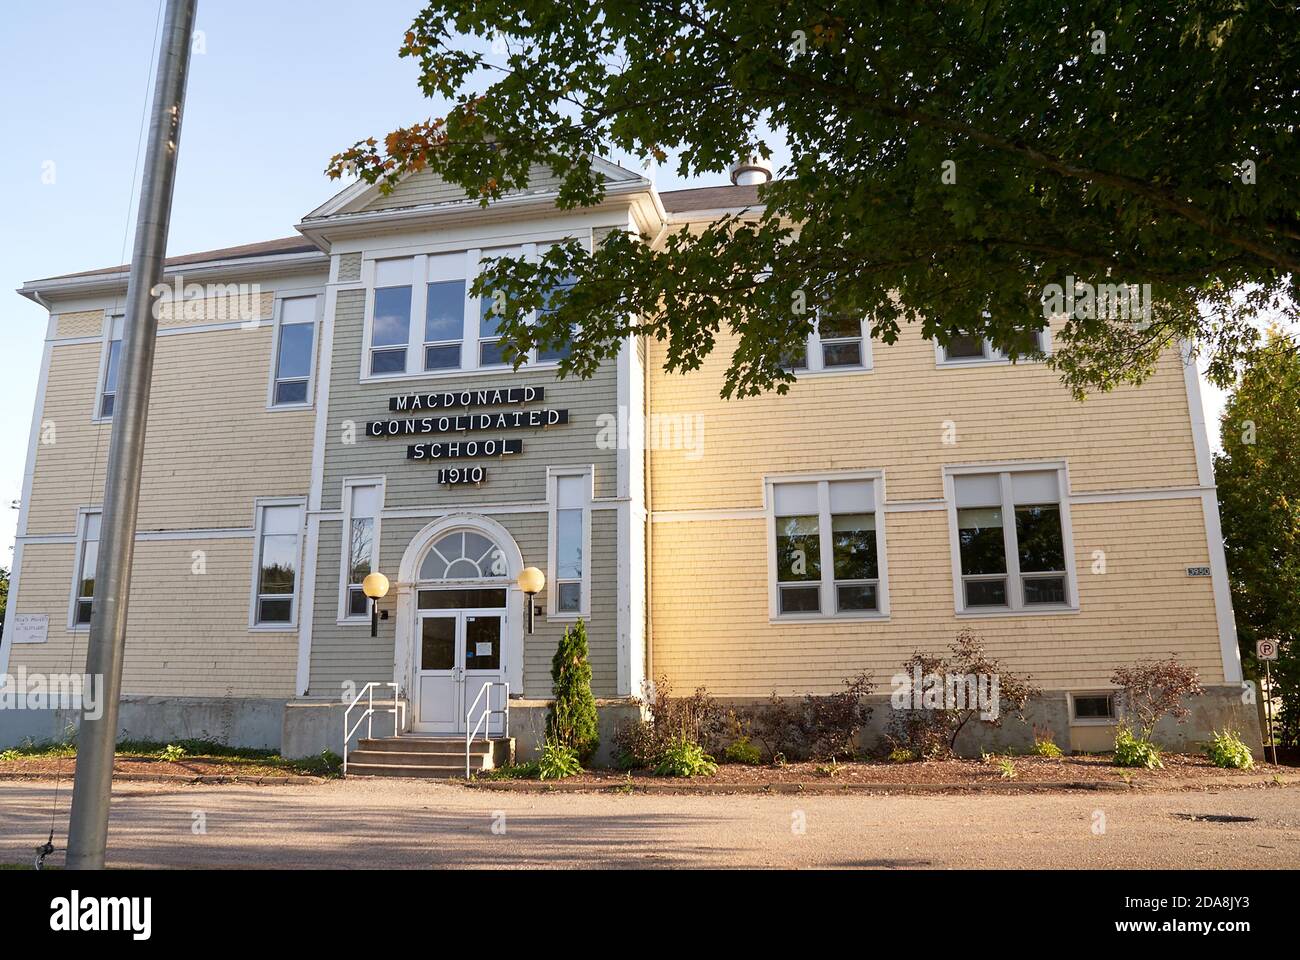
280 87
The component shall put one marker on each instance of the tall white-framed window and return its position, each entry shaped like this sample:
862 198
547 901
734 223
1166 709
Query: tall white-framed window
390 317
827 546
969 350
839 342
293 361
569 536
1011 540
83 576
106 395
277 555
363 501
444 313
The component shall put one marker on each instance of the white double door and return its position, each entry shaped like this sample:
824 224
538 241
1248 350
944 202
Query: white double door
457 651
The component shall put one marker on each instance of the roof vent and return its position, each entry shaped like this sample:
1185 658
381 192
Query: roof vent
752 170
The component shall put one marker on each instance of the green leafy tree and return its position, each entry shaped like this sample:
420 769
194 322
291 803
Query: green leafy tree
571 719
4 594
1258 476
948 163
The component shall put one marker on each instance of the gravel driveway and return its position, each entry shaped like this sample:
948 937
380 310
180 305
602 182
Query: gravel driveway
402 823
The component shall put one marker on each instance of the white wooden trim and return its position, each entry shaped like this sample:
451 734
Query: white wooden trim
83 515
826 585
311 552
552 588
24 506
106 341
276 322
1228 645
1015 602
345 544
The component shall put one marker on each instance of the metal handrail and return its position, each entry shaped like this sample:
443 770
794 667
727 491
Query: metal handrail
484 716
368 691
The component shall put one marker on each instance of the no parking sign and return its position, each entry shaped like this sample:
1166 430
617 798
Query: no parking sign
1266 649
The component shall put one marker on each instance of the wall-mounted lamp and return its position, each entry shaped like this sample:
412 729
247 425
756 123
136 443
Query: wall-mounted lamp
375 586
531 581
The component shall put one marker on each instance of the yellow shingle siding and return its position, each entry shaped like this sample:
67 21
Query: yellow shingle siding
211 447
209 652
896 417
712 628
83 323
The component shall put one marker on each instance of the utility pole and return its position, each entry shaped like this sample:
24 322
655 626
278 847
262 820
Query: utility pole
88 832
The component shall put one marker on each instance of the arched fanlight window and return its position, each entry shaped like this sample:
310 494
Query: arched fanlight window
464 555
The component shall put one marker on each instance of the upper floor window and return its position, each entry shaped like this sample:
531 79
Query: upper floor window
559 290
1010 540
107 399
83 590
839 341
965 349
423 321
295 340
828 548
275 577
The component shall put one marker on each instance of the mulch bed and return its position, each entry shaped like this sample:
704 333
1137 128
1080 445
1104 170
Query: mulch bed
190 770
1032 774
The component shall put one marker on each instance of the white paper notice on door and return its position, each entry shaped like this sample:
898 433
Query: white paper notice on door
31 627
483 649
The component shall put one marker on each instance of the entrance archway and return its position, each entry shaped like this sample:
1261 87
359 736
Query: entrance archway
459 620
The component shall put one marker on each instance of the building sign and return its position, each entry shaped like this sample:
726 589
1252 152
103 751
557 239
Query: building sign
1198 571
464 449
445 399
468 448
455 475
31 627
465 422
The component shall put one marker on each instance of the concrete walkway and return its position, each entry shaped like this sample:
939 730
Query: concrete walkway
413 824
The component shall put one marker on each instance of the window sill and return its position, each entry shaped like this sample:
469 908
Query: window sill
1093 722
496 371
272 627
830 372
825 618
276 407
1044 611
988 362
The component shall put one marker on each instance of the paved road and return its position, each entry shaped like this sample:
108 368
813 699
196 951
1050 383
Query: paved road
398 823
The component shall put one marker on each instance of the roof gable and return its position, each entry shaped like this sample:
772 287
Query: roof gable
426 188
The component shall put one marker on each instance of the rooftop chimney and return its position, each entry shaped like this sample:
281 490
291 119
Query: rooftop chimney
753 169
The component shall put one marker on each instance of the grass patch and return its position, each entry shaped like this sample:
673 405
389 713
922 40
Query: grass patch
250 760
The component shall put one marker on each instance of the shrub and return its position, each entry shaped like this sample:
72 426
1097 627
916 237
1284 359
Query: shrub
571 718
1046 747
1153 689
685 758
1133 750
171 753
902 755
821 727
1227 750
700 718
1007 768
557 761
931 732
742 751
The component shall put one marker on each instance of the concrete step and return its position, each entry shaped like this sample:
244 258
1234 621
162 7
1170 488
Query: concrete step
448 758
418 771
424 745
